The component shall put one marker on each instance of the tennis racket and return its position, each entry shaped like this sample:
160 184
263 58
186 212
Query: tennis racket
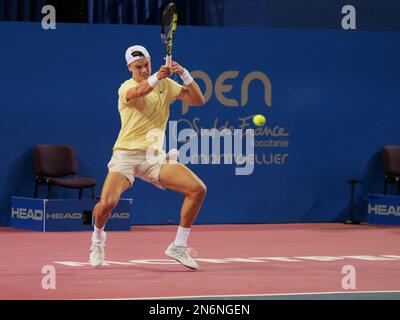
169 21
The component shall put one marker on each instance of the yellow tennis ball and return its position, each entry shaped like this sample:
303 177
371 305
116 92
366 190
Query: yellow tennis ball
259 120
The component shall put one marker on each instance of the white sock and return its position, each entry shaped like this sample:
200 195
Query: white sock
182 236
98 234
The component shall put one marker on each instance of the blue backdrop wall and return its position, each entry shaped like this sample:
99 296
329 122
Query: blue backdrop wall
334 97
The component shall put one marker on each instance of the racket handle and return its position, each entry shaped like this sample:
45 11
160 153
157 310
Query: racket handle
168 60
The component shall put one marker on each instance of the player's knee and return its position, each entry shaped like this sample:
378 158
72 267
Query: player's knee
199 191
108 204
203 190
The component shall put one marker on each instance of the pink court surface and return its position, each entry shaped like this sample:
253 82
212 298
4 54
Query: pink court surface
259 261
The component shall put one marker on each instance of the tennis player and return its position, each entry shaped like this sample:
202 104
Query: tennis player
143 104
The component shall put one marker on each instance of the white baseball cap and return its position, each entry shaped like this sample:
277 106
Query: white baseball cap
128 54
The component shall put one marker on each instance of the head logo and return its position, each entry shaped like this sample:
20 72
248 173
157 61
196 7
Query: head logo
384 210
64 216
26 214
122 215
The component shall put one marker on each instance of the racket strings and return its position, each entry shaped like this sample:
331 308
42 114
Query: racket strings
168 29
169 23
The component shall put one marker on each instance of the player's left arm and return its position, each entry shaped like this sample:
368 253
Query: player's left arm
190 92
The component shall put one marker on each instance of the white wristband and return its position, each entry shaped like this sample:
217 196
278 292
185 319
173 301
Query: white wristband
153 80
186 77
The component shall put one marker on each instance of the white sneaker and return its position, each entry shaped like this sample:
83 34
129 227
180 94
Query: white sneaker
182 255
97 254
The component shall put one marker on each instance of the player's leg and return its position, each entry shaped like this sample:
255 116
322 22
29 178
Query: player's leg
177 177
115 184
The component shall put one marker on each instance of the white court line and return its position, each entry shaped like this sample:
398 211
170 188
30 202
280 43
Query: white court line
254 295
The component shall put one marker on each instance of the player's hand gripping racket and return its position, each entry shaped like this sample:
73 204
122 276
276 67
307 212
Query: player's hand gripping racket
169 21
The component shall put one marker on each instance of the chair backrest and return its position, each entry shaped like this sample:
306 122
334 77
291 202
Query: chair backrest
391 160
54 160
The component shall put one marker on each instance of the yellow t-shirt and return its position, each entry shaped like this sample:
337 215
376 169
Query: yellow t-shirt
144 119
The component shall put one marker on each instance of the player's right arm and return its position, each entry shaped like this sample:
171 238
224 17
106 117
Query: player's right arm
144 87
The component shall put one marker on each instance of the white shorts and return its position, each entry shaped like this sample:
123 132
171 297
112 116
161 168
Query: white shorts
135 164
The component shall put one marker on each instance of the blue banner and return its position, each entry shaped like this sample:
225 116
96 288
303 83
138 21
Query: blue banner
384 209
65 214
330 99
